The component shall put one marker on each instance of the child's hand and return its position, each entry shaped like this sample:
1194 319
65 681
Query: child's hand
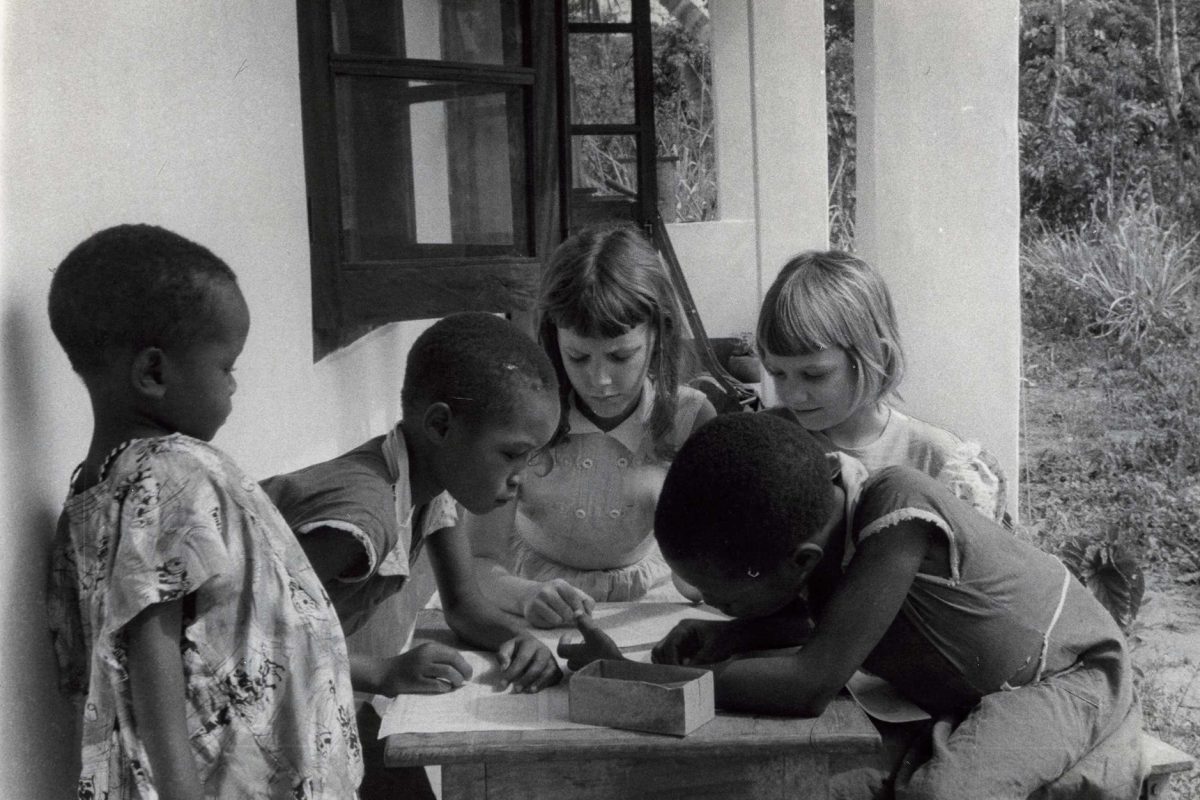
686 589
556 603
527 665
695 641
428 668
596 645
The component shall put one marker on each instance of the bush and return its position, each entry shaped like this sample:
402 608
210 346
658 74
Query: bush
1132 277
1052 307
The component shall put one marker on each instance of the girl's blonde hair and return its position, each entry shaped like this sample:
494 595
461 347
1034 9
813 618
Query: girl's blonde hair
833 299
600 283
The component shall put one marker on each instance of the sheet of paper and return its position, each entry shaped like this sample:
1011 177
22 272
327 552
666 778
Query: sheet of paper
881 700
482 704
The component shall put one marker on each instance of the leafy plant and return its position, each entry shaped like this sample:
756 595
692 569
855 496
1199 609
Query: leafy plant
683 119
842 122
1094 117
1112 574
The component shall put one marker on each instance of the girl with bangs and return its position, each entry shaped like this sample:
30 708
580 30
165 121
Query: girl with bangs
580 530
828 338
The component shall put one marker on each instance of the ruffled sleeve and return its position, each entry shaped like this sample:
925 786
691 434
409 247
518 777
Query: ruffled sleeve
896 494
975 475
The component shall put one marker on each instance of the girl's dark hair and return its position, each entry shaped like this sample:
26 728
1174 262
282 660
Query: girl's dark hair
600 283
130 287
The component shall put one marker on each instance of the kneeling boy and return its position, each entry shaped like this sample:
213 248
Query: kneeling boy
1029 673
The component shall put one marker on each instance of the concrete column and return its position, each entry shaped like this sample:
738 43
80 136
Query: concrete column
939 206
732 108
787 70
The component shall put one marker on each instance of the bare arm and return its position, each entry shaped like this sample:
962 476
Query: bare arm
544 604
527 664
695 642
487 537
156 688
467 610
857 615
432 668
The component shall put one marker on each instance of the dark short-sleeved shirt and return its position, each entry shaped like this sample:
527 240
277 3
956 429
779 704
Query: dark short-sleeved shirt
358 493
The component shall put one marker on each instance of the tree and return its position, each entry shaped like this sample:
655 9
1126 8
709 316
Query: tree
1097 121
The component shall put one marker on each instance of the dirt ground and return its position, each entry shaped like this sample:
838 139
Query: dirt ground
1072 409
1165 639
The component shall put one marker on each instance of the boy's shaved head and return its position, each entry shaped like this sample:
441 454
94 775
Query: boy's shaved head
476 363
130 287
744 490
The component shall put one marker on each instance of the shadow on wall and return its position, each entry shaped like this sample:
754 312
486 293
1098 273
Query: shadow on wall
41 752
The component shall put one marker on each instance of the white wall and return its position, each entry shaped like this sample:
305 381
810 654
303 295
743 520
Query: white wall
185 115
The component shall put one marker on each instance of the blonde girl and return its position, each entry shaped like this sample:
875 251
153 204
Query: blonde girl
828 339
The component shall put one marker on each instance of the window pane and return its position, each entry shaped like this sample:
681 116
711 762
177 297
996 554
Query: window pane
603 178
601 78
475 31
599 10
683 118
427 164
604 164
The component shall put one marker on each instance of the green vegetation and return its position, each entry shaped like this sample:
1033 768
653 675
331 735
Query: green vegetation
1110 267
1110 287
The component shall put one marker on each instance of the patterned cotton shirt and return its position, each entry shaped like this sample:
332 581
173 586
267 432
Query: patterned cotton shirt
268 704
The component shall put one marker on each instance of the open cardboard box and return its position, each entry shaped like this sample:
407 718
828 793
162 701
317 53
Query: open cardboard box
657 698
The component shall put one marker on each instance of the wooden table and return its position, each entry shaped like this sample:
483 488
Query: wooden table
733 756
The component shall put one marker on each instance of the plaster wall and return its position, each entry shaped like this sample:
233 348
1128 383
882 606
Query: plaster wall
769 99
185 115
188 116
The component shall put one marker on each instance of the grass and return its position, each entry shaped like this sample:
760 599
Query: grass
1111 424
1102 460
1131 277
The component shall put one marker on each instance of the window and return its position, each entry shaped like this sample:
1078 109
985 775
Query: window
431 157
610 118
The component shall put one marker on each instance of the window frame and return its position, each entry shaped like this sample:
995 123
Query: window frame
351 298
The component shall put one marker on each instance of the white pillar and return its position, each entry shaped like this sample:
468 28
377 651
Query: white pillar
769 108
733 109
939 206
791 170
